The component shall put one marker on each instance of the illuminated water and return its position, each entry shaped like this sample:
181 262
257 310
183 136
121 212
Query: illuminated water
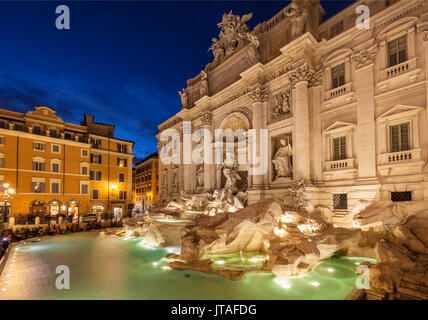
108 267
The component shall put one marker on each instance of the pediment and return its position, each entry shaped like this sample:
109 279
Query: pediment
43 112
339 125
399 109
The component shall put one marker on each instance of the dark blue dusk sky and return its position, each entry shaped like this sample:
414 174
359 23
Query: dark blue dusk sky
121 61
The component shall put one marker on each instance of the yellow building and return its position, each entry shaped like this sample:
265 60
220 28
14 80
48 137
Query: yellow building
56 167
145 184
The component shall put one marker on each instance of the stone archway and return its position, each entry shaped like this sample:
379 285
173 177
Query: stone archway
38 208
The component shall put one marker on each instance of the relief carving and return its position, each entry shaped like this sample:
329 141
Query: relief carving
282 105
364 57
258 94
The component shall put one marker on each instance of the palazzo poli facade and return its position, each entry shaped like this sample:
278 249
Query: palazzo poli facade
345 108
55 167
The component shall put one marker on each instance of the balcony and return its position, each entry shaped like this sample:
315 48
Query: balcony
339 170
397 76
402 162
338 96
339 165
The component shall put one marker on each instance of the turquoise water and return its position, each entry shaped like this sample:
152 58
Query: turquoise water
108 267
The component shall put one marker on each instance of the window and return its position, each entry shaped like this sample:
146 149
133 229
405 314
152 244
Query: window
96 143
397 51
121 162
399 137
96 158
53 133
121 147
95 194
95 175
121 177
1 162
18 127
122 195
37 187
340 201
1 140
85 152
401 196
55 148
38 146
2 124
37 130
68 136
339 148
84 188
336 29
55 167
338 76
38 166
84 170
55 187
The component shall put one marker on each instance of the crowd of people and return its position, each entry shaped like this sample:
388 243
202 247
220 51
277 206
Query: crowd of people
18 233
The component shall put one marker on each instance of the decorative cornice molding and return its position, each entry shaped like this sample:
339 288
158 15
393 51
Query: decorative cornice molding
258 94
206 118
365 57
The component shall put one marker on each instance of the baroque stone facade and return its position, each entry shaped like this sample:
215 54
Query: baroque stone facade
345 109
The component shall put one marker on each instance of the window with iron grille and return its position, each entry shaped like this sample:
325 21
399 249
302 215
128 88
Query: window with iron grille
401 196
340 201
399 137
338 76
397 51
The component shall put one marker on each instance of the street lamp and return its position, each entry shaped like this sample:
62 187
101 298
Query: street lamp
5 196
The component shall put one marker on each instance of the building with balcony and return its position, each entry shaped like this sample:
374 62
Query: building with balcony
345 107
55 167
145 186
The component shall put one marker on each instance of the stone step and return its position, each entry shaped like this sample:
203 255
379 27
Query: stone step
375 295
411 293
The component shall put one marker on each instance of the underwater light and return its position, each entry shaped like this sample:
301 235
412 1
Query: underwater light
155 263
283 282
3 289
220 262
314 284
166 268
330 269
255 260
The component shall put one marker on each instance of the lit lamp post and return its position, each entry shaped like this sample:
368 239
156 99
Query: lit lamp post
5 196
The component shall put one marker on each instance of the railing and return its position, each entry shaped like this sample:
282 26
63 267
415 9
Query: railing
339 91
400 157
339 165
398 69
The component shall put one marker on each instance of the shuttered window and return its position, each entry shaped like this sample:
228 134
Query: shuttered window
399 137
339 148
340 201
338 76
397 51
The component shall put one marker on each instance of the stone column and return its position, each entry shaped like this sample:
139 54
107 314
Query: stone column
301 78
207 125
258 95
187 165
316 133
364 89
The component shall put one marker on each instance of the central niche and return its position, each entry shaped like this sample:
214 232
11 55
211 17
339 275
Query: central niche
282 157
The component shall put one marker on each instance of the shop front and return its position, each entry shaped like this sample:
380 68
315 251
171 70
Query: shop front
73 210
38 208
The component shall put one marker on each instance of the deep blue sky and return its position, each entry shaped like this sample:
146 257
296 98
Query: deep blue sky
121 61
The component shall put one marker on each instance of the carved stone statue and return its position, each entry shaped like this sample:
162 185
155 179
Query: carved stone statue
204 91
230 172
282 160
234 31
184 98
200 175
282 105
298 16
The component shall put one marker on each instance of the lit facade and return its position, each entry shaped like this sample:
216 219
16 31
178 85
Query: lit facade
54 167
345 108
145 183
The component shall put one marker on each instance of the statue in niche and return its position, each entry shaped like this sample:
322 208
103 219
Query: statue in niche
200 175
282 105
204 84
282 160
184 98
230 171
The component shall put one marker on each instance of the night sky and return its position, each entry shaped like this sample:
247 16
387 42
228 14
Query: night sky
121 61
